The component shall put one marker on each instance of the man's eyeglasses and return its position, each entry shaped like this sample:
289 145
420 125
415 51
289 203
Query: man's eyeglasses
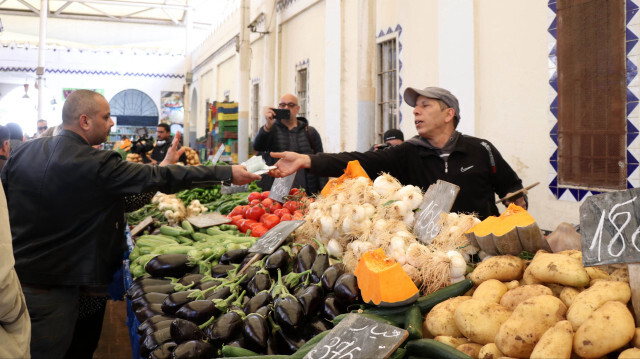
289 105
42 128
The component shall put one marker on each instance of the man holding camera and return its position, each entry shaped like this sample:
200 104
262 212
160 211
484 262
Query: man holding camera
285 131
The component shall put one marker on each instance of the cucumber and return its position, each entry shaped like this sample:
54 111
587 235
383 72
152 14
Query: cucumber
413 322
429 348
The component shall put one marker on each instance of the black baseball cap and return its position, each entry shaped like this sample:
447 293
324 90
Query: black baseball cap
393 134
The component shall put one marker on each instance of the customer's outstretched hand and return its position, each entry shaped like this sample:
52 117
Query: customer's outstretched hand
241 176
173 153
288 163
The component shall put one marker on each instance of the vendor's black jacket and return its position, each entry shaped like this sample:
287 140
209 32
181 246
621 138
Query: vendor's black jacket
474 164
65 202
160 151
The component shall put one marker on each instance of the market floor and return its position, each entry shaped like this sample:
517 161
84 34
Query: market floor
114 341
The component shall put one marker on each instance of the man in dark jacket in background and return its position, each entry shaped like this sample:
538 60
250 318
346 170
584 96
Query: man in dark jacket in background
66 205
438 152
289 134
163 144
4 145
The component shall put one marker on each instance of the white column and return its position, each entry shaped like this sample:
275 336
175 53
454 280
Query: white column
243 82
267 97
333 75
456 58
186 101
44 11
365 129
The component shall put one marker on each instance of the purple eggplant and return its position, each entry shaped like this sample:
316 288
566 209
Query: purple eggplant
184 330
194 349
137 287
286 342
164 351
175 301
346 289
320 264
259 300
225 328
222 270
208 284
278 260
142 290
234 256
191 279
198 311
155 327
330 276
148 299
264 311
311 297
287 310
304 259
153 320
220 293
169 265
260 281
152 341
145 312
331 308
255 331
315 326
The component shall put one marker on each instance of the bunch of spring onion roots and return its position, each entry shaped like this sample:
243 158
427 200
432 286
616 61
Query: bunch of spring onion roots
362 216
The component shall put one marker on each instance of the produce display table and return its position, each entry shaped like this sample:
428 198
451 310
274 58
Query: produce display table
132 321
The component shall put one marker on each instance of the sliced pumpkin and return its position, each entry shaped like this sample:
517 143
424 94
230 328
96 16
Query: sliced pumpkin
382 281
353 170
512 232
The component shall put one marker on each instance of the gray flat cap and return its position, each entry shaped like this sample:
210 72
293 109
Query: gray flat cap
411 95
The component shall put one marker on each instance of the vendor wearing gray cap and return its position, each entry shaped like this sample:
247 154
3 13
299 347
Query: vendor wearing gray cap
438 152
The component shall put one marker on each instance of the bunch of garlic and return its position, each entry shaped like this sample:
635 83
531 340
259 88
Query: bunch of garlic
174 209
195 208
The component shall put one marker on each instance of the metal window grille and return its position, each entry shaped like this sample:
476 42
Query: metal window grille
591 93
301 91
387 89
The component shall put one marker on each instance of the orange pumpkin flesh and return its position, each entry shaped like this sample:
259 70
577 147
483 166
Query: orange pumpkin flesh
383 281
353 170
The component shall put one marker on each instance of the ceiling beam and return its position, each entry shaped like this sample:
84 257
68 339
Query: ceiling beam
29 7
101 11
134 3
64 6
173 18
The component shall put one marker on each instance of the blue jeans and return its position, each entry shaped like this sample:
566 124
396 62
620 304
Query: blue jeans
53 314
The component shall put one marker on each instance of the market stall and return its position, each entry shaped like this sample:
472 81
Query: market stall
374 256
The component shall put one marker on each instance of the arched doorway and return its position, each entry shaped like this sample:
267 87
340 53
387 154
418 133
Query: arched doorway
132 109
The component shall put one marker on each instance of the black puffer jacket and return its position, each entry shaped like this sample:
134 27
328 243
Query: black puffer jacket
301 139
474 164
66 206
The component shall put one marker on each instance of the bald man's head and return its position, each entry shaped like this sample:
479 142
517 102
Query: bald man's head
78 103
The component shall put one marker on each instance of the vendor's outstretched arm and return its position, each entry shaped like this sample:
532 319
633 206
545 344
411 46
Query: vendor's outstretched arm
288 163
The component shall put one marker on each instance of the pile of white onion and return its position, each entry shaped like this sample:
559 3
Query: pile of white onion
359 217
174 209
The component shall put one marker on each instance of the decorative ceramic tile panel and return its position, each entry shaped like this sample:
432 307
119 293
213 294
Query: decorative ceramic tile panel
567 193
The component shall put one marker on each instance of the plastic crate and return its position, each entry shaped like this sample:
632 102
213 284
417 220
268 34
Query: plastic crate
228 134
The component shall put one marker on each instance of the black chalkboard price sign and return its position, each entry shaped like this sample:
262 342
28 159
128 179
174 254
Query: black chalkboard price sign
274 237
438 199
281 187
610 228
358 337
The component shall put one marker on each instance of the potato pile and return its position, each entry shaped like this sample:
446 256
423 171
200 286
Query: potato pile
193 159
551 308
134 157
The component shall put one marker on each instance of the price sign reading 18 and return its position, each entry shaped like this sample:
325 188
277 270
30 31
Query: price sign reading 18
610 230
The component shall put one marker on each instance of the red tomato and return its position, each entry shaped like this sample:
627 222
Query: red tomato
258 230
270 220
253 195
245 211
245 224
294 191
255 213
255 202
298 215
281 212
265 194
267 202
286 217
292 206
236 211
274 207
235 220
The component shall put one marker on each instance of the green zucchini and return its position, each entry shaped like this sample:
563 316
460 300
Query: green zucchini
429 348
310 344
173 231
399 353
231 351
413 322
186 225
340 317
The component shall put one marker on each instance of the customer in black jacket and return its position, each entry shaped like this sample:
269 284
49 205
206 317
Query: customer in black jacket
66 208
438 152
289 134
163 144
